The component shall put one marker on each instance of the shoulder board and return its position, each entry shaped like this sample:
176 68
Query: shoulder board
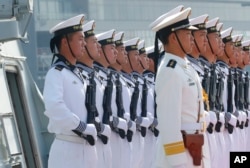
59 67
171 63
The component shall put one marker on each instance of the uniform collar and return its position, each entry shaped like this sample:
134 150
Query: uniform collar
98 67
62 60
84 67
204 62
136 75
193 60
222 64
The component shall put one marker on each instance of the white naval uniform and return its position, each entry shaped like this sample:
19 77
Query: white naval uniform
103 150
150 140
179 99
248 128
227 136
220 153
236 133
64 94
126 148
128 88
200 70
242 114
137 140
210 136
119 153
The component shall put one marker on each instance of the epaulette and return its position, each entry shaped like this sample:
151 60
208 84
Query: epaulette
171 63
59 67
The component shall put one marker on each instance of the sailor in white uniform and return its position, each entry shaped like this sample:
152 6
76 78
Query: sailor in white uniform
153 132
246 59
137 143
227 97
93 100
64 94
207 59
122 100
178 95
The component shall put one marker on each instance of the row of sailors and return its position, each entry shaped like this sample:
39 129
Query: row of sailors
115 106
220 61
119 118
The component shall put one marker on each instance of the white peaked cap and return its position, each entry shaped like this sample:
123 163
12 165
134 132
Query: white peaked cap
240 37
246 45
212 22
141 44
226 35
141 47
106 38
199 22
227 32
68 26
219 26
151 49
176 22
90 25
88 28
171 12
132 44
118 36
235 38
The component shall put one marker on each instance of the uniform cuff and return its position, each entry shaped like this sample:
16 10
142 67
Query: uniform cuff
81 127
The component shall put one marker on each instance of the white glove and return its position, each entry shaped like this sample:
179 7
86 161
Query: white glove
120 123
231 119
106 131
143 121
90 130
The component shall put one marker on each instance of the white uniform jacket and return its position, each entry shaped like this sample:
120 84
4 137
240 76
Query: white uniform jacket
179 100
64 97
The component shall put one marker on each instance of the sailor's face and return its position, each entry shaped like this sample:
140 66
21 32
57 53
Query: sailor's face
200 37
229 49
134 59
215 42
144 61
111 53
77 44
122 55
92 46
187 40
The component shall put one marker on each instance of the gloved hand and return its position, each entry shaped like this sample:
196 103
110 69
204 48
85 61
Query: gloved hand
120 123
143 121
90 130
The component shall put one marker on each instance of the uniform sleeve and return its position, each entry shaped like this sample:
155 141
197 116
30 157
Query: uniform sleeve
61 119
169 101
